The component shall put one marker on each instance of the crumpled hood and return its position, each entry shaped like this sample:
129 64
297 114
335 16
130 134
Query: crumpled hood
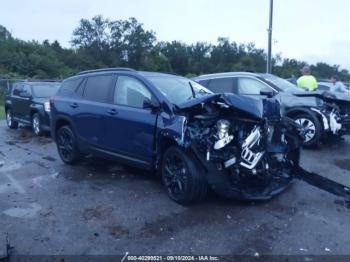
255 107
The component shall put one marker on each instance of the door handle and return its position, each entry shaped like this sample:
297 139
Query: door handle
112 111
73 105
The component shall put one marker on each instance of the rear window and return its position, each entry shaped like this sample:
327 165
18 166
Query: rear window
45 90
98 88
71 84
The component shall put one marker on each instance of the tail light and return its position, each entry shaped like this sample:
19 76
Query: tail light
47 106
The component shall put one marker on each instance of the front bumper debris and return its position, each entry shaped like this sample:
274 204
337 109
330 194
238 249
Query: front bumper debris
324 183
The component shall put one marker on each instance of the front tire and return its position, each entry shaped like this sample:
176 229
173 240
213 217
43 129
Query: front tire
36 125
183 177
9 120
313 129
67 145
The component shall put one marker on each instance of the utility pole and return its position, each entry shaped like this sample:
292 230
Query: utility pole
269 62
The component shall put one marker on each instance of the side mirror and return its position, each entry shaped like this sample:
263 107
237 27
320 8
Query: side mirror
149 104
25 95
267 92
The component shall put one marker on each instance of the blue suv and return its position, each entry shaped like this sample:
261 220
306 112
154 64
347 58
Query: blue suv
240 147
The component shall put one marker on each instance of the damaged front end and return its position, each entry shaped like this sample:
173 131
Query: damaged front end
335 111
248 150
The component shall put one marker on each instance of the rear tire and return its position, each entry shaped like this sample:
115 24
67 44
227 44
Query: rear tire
313 128
183 177
36 125
9 120
67 145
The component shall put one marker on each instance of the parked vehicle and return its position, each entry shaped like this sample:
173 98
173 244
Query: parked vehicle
238 146
319 114
27 102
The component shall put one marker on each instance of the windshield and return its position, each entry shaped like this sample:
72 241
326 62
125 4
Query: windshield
178 89
281 83
45 90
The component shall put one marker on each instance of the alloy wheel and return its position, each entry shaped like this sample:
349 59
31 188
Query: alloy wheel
65 145
9 117
309 128
175 175
36 125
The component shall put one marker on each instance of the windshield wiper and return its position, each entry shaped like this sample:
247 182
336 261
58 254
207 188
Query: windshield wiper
192 89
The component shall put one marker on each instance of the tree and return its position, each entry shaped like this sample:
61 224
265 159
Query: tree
176 53
101 42
92 34
4 34
132 41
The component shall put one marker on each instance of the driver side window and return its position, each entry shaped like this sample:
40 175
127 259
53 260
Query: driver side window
17 89
130 92
250 86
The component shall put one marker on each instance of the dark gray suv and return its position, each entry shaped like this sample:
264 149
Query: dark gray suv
28 103
319 113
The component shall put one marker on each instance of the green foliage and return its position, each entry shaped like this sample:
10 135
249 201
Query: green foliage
2 112
4 34
101 42
30 59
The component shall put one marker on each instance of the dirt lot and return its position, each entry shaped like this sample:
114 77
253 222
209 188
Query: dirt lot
100 207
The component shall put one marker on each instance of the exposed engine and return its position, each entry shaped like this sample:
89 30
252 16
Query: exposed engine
246 149
229 143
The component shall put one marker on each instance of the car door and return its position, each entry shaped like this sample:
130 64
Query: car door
89 112
15 99
24 103
250 86
130 127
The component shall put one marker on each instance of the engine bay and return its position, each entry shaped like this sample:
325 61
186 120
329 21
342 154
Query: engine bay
250 152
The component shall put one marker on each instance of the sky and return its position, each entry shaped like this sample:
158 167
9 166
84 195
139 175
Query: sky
312 30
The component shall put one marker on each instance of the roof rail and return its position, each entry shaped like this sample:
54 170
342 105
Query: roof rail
36 80
106 70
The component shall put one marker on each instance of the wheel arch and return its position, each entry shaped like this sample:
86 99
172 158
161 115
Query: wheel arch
163 143
33 111
59 122
293 112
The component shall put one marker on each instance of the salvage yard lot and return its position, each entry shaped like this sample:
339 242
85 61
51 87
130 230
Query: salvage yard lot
99 207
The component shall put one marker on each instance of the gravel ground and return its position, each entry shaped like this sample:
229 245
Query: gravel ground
100 208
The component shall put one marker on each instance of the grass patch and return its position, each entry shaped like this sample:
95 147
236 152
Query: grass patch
2 112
